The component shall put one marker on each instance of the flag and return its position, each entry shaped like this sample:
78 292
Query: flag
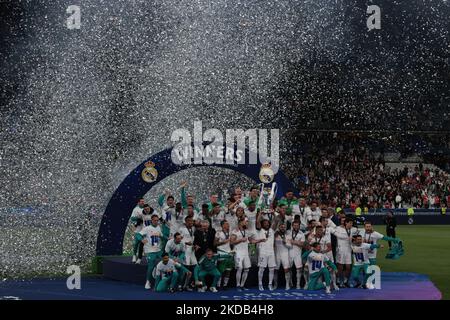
396 250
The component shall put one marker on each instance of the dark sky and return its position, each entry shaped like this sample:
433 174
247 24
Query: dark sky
394 78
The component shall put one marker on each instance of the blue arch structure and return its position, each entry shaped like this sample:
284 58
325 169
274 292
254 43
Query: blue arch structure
133 187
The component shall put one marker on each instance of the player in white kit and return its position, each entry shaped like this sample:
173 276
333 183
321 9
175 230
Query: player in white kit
282 247
344 235
167 214
319 236
250 213
371 236
168 274
226 264
265 238
361 261
190 261
318 268
240 238
136 220
151 237
297 239
314 213
217 215
176 249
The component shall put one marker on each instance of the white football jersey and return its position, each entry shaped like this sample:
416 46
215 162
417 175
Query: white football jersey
296 236
282 244
175 249
251 216
267 247
153 235
164 270
361 254
344 237
316 261
371 238
187 234
242 247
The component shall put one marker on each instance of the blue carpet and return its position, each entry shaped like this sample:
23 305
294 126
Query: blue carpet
394 286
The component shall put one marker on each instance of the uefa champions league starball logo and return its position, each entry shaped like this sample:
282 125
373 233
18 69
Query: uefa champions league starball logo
266 174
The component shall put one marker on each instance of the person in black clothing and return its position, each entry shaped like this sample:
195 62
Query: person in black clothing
204 239
204 214
391 224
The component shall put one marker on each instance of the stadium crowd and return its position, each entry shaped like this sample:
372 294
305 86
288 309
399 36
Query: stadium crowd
346 173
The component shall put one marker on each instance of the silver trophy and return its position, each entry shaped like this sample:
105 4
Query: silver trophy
266 196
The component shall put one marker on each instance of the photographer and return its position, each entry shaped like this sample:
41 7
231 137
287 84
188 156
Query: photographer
391 224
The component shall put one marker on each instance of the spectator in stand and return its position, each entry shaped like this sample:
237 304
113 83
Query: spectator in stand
334 170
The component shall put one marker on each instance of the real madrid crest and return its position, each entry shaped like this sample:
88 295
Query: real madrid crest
149 174
266 173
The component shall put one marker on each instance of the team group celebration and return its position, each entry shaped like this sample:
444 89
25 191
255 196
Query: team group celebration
196 247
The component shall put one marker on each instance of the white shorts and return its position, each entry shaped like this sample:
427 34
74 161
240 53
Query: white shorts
190 259
266 260
242 261
343 256
296 260
283 260
329 254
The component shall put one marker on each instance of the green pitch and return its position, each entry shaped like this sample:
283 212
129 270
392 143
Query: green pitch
427 251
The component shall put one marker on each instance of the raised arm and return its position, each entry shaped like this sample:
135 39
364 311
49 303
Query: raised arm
161 200
258 220
339 235
183 195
